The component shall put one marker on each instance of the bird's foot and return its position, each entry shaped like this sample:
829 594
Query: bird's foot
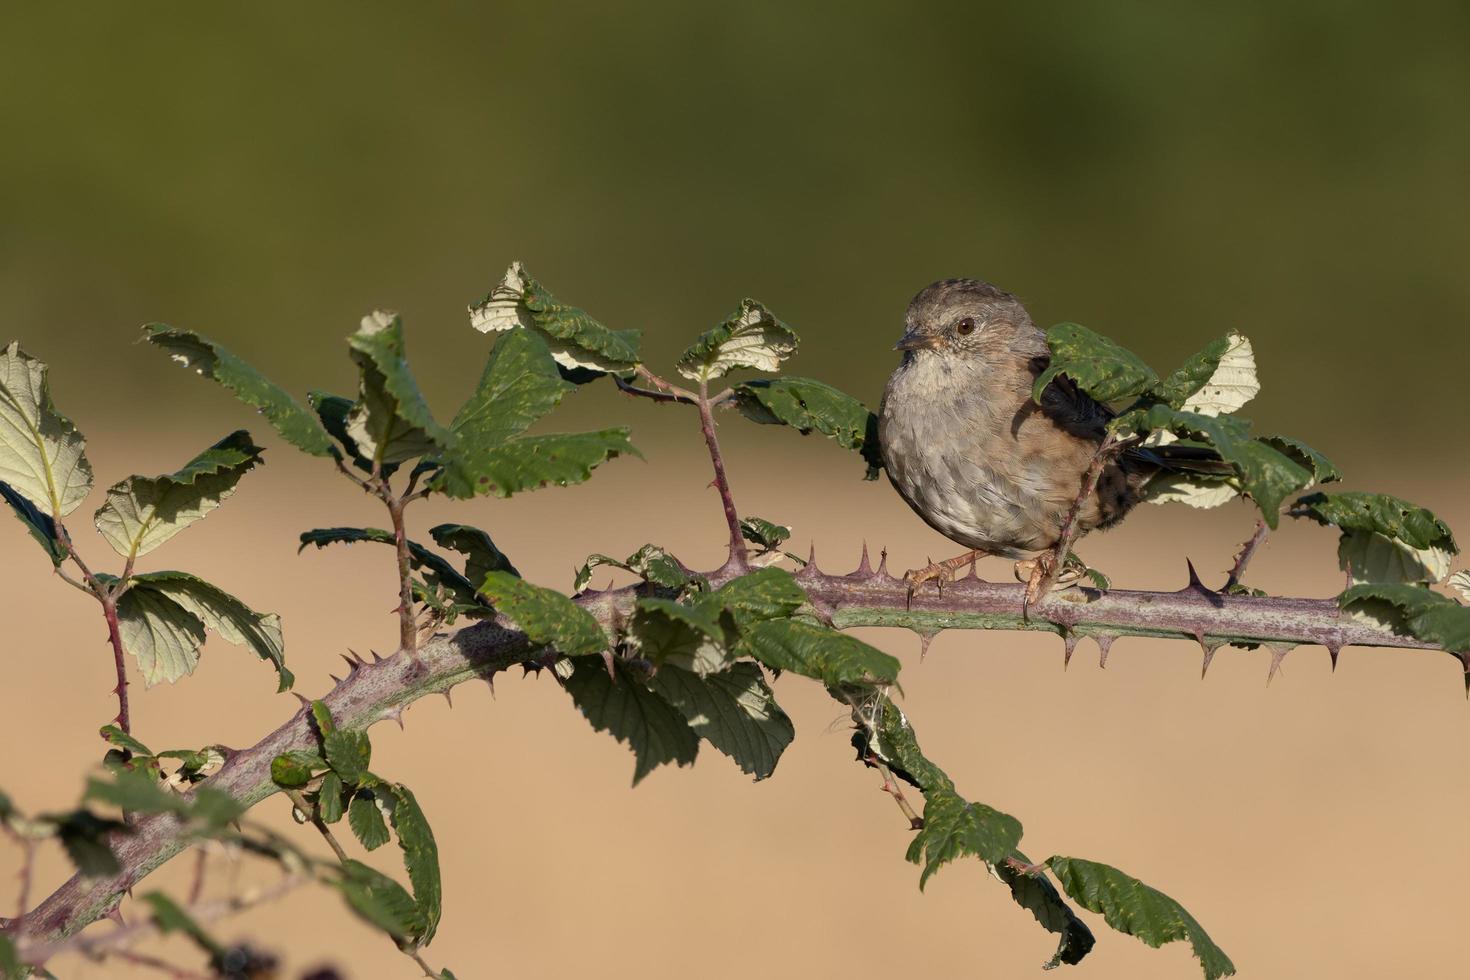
940 573
1041 575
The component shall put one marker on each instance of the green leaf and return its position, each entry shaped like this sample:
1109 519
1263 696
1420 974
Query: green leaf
532 462
811 406
85 837
546 616
142 513
1216 381
883 730
1036 894
1460 582
650 563
330 798
575 339
818 652
759 531
1098 366
481 555
11 967
1130 906
42 455
654 729
1413 611
322 715
1380 513
366 820
391 422
295 768
767 593
1369 557
688 635
217 610
381 901
116 736
348 753
285 414
751 337
420 858
168 916
1264 473
40 527
435 567
955 827
333 411
1323 470
734 710
136 791
161 635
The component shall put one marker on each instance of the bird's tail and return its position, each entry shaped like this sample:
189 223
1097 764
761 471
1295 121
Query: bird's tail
1181 457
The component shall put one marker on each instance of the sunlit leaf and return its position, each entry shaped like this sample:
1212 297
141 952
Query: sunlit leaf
1380 513
295 768
220 612
1098 366
733 709
1370 557
954 827
532 462
1323 470
142 512
626 709
811 406
366 820
688 635
1192 490
1460 582
1216 381
285 414
751 337
547 617
576 340
650 563
759 531
1130 906
161 635
42 455
391 422
818 652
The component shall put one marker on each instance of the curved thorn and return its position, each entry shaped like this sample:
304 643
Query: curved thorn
305 701
925 638
1104 646
447 698
335 678
377 657
352 663
1069 640
1333 650
1278 654
396 714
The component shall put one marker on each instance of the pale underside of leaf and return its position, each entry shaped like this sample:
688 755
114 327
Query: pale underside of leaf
42 455
1460 582
752 337
391 422
1370 557
1232 384
1190 490
162 636
217 610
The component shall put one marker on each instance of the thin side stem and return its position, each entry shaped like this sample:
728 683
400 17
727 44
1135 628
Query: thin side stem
408 628
418 958
1069 526
891 787
155 963
114 636
314 814
1247 552
722 482
201 866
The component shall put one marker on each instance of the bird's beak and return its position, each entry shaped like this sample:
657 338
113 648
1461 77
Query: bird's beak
914 340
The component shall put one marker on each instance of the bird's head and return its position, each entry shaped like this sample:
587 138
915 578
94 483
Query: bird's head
964 318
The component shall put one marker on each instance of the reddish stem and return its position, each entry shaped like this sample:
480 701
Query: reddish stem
114 636
1247 551
408 631
707 426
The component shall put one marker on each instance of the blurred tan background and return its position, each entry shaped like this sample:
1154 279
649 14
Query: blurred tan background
1161 175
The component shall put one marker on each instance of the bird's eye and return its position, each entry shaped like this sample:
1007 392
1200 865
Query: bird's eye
965 326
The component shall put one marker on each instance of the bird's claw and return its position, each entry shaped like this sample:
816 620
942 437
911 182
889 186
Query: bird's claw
1041 574
937 572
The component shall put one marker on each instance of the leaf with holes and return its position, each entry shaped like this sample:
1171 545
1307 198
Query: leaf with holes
1096 364
626 709
391 422
811 406
1323 470
1216 381
1132 907
42 455
1379 513
767 593
733 710
751 337
142 512
818 652
576 340
650 563
285 414
217 610
546 616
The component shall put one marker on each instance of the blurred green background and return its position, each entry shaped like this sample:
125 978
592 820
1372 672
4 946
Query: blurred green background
1163 173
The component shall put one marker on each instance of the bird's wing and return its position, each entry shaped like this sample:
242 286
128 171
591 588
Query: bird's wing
1071 408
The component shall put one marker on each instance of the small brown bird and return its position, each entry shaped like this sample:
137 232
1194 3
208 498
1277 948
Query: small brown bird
976 457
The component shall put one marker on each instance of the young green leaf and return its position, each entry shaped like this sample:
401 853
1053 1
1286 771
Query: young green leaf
955 827
1130 906
687 635
142 513
575 339
1036 894
211 608
295 768
650 563
1412 610
751 337
391 422
42 455
767 593
381 901
811 406
544 615
1216 381
1378 512
626 709
437 570
759 531
1099 367
532 462
366 820
116 736
330 803
420 857
1323 470
348 753
733 709
285 414
481 555
818 652
40 527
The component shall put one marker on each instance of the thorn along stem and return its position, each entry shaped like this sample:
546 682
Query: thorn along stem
707 426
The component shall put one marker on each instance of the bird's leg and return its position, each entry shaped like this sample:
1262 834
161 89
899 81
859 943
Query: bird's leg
1037 573
941 573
